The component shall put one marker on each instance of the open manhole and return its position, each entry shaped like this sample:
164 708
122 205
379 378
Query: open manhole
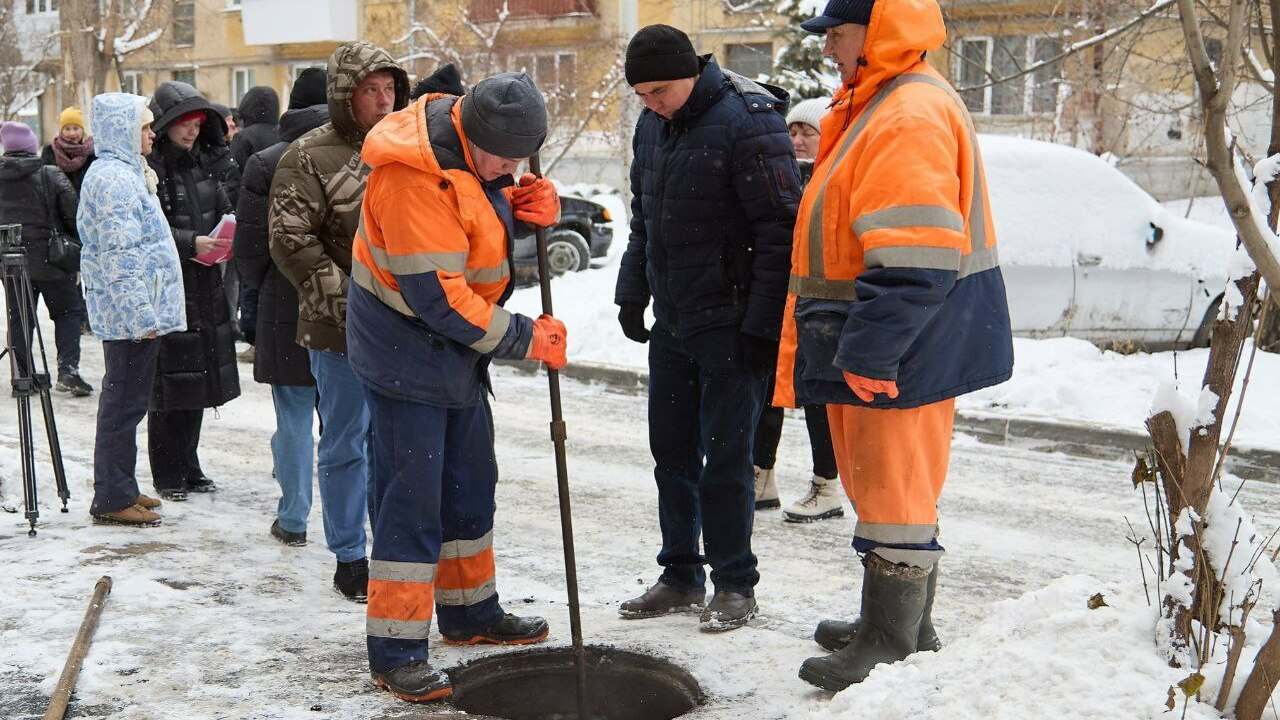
542 685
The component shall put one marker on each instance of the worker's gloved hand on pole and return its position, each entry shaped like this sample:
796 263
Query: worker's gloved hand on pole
550 342
631 318
536 201
867 388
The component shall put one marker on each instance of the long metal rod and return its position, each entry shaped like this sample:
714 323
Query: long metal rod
558 436
71 671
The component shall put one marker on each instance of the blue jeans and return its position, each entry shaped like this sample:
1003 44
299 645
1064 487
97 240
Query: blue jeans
343 458
703 406
293 453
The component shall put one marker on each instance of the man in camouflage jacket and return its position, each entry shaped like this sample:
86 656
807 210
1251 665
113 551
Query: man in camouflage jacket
314 209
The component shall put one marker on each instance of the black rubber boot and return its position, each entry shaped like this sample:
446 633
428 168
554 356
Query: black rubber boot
510 630
351 580
893 602
415 682
835 634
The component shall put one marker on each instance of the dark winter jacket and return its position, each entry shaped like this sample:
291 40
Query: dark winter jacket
197 368
278 359
714 197
77 177
315 200
260 115
38 197
174 99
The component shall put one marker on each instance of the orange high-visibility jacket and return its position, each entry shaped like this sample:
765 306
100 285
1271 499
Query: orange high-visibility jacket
431 263
894 272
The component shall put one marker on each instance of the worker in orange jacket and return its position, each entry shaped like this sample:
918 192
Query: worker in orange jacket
431 269
895 306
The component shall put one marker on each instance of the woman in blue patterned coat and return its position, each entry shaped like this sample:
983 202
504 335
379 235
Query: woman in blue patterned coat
133 289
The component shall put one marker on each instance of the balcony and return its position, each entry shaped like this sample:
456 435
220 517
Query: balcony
485 11
276 22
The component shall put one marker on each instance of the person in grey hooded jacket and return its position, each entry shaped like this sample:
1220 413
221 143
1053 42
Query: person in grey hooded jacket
133 287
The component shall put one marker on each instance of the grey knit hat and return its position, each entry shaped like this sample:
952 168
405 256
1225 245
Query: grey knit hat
505 115
809 112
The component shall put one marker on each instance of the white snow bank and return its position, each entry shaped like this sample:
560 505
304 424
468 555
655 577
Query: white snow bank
1044 650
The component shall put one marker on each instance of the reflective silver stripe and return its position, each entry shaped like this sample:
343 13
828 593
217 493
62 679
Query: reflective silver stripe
917 558
391 298
467 596
417 263
909 216
497 329
402 571
925 258
397 629
896 534
977 217
978 261
466 548
823 288
816 267
494 274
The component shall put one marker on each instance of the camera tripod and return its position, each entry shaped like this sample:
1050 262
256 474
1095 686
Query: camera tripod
21 301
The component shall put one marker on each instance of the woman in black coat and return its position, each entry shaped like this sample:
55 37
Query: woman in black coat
42 199
196 368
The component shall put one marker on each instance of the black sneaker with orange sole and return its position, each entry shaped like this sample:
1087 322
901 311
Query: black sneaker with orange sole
415 682
510 630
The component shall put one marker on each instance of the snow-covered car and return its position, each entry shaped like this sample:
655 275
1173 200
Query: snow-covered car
585 231
1087 253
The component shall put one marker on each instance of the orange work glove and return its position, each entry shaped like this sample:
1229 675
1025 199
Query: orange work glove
550 342
866 388
536 201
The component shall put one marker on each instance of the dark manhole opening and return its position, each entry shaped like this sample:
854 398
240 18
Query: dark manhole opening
542 685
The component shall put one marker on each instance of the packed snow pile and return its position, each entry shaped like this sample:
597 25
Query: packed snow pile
1046 651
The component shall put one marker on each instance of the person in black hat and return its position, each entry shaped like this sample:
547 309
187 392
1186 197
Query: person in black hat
896 306
714 188
425 318
277 360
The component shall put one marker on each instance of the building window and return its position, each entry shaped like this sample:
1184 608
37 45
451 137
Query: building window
1213 48
233 4
555 74
186 76
750 59
241 81
982 60
184 23
41 6
131 82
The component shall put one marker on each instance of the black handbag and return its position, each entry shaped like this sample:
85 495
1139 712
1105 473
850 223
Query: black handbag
64 251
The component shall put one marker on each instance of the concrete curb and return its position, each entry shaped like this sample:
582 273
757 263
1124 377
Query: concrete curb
1068 437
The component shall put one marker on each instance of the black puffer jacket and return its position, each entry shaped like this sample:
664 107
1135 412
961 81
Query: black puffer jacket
30 192
260 124
714 193
278 358
197 368
174 99
77 177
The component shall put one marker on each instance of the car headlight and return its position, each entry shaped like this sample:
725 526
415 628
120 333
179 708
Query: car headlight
605 214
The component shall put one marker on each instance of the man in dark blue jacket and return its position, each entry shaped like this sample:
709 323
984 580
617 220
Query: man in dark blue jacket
715 187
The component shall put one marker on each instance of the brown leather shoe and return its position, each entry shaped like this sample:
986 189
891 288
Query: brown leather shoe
726 611
134 516
660 600
147 501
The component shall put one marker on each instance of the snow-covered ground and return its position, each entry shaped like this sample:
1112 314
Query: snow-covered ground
210 618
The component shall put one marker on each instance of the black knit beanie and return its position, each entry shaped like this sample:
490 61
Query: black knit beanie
308 89
505 115
660 52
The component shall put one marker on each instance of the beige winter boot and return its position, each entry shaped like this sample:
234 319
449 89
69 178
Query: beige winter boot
821 502
134 516
766 490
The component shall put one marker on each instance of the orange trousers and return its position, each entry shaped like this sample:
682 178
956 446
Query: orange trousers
893 464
